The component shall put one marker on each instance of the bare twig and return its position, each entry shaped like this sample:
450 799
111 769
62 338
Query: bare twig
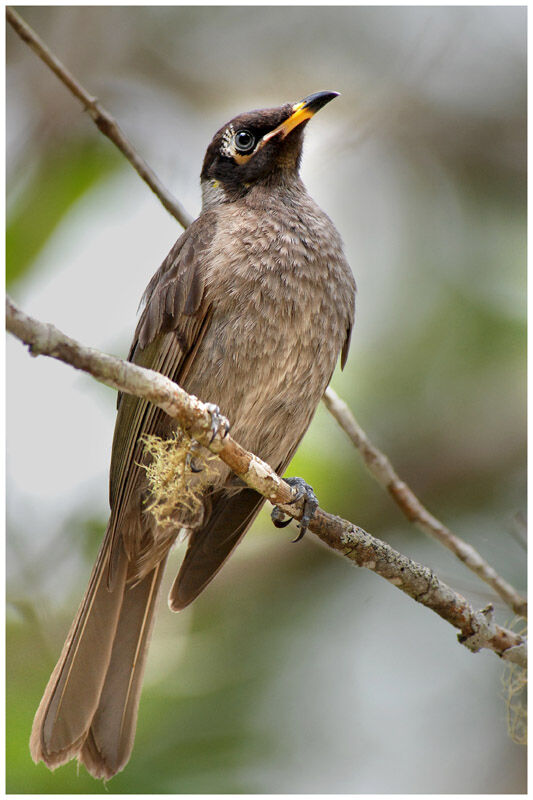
382 470
478 629
100 116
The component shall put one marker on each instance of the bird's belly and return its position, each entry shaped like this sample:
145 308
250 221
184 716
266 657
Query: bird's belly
266 371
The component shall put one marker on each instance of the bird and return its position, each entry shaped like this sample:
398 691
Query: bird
250 311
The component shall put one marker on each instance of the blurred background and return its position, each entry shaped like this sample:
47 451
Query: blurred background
293 673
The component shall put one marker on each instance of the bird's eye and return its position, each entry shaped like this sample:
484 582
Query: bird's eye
244 141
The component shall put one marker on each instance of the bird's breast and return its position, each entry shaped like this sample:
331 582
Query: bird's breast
275 282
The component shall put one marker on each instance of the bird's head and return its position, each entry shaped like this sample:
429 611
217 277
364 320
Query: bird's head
257 146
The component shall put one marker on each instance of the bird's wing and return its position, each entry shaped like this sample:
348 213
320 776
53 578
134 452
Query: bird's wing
170 330
346 345
230 517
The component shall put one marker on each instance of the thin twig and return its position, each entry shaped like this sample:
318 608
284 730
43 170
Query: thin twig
380 467
478 629
105 122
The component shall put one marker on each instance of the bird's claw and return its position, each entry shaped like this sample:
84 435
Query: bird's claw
218 421
309 509
277 517
189 461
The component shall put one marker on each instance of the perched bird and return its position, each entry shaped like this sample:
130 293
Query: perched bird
250 311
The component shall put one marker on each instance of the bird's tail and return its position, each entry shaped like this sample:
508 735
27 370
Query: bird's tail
89 707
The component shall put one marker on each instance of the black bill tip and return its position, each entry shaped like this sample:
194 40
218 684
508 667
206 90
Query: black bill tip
317 101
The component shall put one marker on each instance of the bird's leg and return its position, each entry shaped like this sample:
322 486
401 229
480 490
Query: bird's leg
310 506
218 421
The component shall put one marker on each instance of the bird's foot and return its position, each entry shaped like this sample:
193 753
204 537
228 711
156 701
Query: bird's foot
310 507
219 423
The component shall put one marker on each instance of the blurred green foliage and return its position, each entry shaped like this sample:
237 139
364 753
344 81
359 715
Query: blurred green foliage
61 176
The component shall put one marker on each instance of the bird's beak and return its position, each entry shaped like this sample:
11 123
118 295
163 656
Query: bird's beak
301 112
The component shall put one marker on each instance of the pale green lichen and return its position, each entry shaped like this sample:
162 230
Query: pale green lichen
178 472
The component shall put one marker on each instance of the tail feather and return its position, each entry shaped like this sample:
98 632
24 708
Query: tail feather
89 707
107 748
71 697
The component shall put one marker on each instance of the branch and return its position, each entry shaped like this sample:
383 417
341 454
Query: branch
380 467
477 628
100 116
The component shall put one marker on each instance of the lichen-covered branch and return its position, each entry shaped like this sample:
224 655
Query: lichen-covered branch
380 467
477 628
105 122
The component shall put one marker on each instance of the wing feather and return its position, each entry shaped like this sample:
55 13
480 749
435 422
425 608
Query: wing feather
172 324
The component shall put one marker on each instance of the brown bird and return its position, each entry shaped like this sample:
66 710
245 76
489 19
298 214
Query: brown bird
250 311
